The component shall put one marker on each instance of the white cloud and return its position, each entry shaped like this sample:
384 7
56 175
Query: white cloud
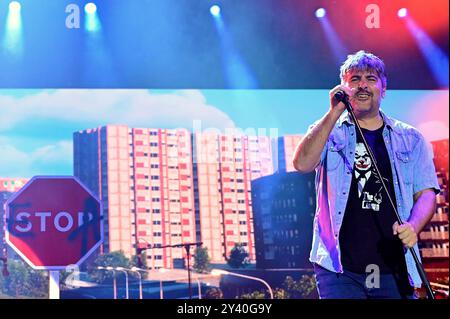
13 162
91 108
59 152
41 161
136 108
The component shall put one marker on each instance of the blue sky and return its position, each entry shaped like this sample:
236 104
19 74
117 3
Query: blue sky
36 126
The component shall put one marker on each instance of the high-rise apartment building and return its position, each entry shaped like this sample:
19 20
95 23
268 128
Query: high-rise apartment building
284 207
224 167
144 178
433 242
286 146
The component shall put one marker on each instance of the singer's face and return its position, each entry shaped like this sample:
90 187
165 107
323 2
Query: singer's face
367 90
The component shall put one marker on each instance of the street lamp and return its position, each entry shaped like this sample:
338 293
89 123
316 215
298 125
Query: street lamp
114 278
136 270
126 280
218 272
199 289
161 293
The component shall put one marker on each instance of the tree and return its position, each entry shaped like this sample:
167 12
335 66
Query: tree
23 281
307 285
111 259
280 293
16 283
257 294
213 293
140 261
238 256
299 289
201 260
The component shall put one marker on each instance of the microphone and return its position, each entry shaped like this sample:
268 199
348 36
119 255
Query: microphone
340 96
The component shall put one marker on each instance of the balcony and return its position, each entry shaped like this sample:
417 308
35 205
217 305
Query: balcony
434 252
428 235
439 218
440 199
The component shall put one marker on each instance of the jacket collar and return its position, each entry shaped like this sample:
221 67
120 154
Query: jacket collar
345 117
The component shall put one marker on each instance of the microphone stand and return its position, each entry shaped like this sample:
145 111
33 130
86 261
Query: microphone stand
340 96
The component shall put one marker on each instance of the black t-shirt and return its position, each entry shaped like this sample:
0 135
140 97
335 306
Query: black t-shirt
366 235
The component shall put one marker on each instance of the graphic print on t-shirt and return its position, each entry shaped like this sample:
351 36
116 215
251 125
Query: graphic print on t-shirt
365 175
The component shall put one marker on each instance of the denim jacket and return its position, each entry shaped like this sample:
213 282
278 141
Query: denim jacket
412 171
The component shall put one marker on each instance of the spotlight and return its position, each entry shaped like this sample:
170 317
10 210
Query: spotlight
215 10
90 8
14 6
320 13
403 12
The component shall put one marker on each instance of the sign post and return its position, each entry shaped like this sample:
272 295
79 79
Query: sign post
53 284
54 222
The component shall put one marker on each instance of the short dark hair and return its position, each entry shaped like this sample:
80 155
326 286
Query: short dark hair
362 61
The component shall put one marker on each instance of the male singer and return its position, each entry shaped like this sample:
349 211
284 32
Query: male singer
359 249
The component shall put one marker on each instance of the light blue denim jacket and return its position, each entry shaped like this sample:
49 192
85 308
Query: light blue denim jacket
412 171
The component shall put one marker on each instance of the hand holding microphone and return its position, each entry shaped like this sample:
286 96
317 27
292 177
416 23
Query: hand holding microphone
337 95
340 96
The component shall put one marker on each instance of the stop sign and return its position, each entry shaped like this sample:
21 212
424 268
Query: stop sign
53 222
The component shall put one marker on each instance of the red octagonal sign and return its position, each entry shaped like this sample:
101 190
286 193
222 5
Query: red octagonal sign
53 222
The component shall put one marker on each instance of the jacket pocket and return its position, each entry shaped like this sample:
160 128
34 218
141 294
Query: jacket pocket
406 163
335 156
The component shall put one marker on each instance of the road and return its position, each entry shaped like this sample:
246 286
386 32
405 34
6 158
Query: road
150 290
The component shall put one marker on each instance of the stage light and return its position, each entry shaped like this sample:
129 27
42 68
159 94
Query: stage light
215 10
14 6
14 19
90 8
320 13
403 12
92 21
12 40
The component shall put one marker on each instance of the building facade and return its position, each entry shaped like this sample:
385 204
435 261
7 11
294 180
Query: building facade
144 179
434 241
284 206
224 167
286 146
164 187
